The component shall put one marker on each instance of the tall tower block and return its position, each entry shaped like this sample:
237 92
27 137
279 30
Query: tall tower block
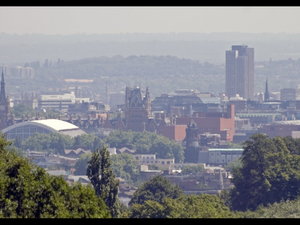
240 72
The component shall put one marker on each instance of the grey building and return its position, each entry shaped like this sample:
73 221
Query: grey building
288 94
240 72
220 156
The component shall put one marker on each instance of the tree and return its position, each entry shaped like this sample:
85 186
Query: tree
28 191
48 142
284 209
156 189
186 206
146 143
103 179
125 166
269 173
82 163
149 209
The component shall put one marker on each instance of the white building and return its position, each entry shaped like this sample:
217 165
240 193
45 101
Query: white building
60 102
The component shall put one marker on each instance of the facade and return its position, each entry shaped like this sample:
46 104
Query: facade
216 123
26 129
137 109
220 156
207 130
240 72
173 132
282 128
60 102
150 159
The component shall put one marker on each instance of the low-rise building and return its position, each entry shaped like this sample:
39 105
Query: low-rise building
150 159
220 156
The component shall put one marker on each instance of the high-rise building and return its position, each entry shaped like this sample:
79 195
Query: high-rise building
240 72
4 105
267 94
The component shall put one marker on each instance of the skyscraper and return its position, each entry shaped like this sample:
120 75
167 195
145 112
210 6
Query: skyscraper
240 71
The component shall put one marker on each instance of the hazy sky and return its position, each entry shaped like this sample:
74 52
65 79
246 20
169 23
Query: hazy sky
70 20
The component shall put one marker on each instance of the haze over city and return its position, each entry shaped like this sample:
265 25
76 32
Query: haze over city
149 112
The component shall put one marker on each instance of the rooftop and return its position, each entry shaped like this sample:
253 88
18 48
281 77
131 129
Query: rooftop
55 124
288 122
225 149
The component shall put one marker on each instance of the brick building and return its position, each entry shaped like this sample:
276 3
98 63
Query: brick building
217 123
173 132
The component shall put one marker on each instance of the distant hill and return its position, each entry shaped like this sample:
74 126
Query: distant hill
162 74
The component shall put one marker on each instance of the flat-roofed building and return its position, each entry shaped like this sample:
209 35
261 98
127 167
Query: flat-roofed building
60 102
150 159
281 128
220 156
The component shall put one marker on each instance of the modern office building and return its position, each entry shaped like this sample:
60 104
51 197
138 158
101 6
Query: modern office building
240 72
60 102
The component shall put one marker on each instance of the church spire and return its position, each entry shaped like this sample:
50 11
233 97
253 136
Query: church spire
267 95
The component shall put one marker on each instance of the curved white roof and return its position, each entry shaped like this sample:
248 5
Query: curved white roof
55 124
51 124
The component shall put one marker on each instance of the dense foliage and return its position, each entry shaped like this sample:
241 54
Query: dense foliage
156 189
125 166
186 206
158 198
57 143
286 209
269 173
27 191
146 143
143 143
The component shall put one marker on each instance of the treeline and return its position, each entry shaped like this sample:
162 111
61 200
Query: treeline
143 143
124 165
266 184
